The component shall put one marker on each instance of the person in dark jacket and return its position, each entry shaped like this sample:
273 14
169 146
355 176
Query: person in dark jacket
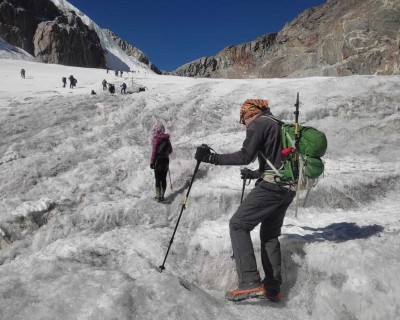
266 203
104 83
159 161
23 73
111 88
123 88
72 81
64 81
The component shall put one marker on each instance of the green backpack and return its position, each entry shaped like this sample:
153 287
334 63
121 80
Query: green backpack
312 145
304 166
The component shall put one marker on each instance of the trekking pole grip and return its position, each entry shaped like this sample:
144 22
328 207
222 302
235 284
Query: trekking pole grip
244 186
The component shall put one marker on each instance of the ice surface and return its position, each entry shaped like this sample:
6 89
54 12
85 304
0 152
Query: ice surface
81 237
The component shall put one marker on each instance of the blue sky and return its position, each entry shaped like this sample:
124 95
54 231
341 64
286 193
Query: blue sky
174 32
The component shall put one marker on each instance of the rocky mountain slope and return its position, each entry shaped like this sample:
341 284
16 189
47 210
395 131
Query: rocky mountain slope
49 34
54 31
131 50
337 38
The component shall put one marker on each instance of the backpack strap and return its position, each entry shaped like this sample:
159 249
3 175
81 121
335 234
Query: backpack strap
292 142
280 122
270 164
271 117
162 147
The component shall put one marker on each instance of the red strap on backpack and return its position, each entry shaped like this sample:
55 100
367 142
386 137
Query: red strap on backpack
286 152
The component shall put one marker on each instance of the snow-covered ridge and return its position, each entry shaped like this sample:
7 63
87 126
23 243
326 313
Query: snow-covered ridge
8 51
116 58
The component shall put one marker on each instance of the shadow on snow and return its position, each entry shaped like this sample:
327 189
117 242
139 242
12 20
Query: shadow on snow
343 231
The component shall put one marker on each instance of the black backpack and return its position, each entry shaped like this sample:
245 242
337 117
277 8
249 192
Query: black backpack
162 148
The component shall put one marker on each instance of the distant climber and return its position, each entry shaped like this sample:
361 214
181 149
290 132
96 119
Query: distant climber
111 88
104 83
23 73
64 81
72 81
123 88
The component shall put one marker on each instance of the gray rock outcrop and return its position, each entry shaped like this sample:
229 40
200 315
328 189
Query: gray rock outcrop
52 36
337 38
19 20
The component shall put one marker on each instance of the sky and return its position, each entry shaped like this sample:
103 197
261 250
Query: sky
81 236
172 33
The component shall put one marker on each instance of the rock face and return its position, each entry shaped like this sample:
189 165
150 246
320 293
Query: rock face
232 62
52 36
132 51
337 38
18 20
67 40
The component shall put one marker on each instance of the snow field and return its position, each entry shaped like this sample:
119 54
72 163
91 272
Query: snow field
81 237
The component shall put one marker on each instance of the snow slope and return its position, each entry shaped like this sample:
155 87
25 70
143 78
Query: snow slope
81 237
8 51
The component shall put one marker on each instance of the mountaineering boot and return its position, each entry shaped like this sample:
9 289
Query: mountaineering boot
275 298
162 192
246 291
272 291
158 194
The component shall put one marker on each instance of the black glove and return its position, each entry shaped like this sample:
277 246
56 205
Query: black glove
204 154
249 174
151 165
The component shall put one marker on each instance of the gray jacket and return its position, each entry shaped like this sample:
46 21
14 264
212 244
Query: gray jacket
263 134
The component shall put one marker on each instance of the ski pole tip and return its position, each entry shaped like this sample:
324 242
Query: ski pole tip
160 269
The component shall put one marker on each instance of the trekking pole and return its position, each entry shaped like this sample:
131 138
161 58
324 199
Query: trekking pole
244 186
161 268
296 154
305 199
296 135
170 181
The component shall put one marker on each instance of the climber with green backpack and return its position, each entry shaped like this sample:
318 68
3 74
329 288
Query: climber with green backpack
303 148
280 165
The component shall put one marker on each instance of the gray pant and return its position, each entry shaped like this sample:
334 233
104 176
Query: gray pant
266 204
